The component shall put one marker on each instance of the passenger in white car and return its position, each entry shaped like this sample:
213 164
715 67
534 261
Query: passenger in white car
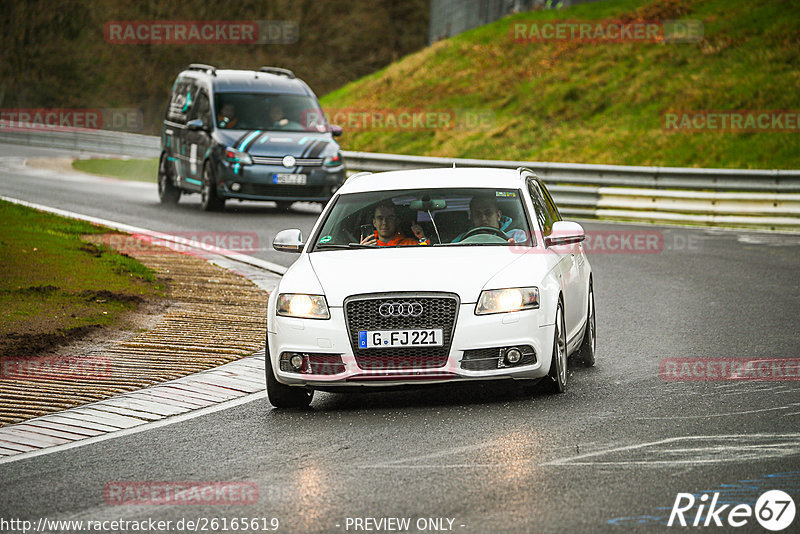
387 234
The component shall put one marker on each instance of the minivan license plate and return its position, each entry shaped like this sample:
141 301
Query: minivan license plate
289 179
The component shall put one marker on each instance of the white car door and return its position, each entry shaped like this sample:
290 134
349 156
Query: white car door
570 260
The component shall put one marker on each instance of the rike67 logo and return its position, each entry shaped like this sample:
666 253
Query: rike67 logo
774 510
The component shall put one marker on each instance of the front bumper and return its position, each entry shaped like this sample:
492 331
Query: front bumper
255 182
330 337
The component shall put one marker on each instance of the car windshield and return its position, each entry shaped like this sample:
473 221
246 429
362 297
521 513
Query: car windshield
269 112
426 217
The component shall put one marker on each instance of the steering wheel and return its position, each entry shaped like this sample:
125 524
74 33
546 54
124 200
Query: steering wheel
485 230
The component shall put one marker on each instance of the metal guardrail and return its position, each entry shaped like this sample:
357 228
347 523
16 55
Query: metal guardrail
598 175
714 197
85 141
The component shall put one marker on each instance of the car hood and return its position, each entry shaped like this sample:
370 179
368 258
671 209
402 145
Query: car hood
461 270
279 144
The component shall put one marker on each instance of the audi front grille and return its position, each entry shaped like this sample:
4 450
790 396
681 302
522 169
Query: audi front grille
439 310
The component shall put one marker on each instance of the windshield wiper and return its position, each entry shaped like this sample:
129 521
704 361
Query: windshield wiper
344 245
472 244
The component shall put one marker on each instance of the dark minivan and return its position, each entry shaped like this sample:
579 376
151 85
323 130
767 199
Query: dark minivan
249 135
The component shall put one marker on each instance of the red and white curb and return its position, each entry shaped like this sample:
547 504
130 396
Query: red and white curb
195 395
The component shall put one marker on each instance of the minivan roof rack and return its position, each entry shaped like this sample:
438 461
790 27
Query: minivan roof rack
202 67
279 71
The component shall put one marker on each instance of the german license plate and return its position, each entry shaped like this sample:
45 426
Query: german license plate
289 179
376 339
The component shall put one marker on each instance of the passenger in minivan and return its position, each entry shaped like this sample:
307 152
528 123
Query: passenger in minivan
386 223
277 117
227 117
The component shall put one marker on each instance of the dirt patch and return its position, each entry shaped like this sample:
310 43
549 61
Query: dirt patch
40 290
104 295
92 249
33 343
38 342
61 165
91 339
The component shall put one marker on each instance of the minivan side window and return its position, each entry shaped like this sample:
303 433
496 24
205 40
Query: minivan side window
202 109
181 101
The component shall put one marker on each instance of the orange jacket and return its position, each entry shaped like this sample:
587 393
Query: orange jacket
399 239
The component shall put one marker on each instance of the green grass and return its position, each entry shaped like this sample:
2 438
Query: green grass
55 283
143 170
597 102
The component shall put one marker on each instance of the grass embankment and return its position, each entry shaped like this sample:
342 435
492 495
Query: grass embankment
143 170
587 102
55 286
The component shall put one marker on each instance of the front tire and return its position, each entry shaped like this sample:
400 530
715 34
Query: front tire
556 381
281 395
586 352
168 193
209 200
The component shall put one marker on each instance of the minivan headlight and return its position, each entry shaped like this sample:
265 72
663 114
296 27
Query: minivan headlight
302 306
237 156
507 300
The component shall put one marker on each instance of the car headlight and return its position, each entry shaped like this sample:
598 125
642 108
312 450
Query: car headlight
302 306
507 300
332 161
237 156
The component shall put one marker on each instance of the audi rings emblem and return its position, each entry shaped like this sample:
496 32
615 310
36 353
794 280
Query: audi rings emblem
400 309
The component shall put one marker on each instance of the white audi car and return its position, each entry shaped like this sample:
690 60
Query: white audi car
429 276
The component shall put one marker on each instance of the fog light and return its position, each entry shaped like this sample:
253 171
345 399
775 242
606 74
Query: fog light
236 186
297 361
513 356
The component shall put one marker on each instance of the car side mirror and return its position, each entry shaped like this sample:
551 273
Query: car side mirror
565 233
290 240
196 124
336 130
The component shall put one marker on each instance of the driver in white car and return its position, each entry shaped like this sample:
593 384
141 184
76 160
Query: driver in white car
484 212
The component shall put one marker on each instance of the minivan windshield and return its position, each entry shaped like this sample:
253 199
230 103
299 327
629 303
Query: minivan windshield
269 112
425 217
